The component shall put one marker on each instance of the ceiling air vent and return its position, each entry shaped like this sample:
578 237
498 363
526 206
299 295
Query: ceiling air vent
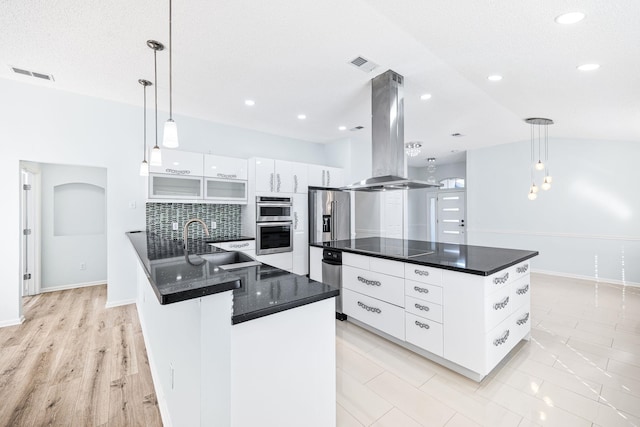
357 128
363 64
31 73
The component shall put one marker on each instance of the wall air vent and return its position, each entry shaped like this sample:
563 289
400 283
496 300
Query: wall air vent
32 73
363 64
357 128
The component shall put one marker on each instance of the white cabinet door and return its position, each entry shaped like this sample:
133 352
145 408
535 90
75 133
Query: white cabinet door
334 177
301 253
283 176
226 190
225 167
264 175
300 209
315 263
163 186
300 184
183 163
316 176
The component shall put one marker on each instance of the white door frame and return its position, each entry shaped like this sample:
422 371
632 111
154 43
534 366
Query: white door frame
30 253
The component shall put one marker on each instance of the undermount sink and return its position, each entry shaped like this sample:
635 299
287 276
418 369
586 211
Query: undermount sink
230 260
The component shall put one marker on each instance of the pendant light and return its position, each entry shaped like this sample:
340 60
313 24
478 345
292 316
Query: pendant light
144 166
412 148
156 156
170 137
539 166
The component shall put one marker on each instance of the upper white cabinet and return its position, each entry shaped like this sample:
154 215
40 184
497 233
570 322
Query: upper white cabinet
300 180
325 176
225 167
178 187
181 163
279 176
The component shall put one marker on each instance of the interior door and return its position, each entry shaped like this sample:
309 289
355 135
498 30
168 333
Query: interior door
27 223
451 217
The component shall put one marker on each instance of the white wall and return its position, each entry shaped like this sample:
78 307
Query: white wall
587 225
49 126
63 254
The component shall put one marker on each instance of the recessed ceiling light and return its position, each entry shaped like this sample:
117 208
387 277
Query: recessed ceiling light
495 78
588 67
342 128
250 102
570 18
302 116
425 96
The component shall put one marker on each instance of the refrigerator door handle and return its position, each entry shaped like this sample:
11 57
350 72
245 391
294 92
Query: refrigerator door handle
335 222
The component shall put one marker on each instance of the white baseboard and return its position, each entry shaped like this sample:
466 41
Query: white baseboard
111 304
586 278
72 286
11 322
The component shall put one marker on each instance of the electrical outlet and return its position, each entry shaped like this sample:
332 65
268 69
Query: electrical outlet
83 266
214 225
175 226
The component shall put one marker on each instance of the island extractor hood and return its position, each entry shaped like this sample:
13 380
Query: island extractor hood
389 164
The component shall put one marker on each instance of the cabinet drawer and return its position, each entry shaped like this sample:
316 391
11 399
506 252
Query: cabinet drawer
424 333
240 245
355 260
386 266
521 321
498 342
522 269
377 285
521 292
423 274
428 310
378 314
423 291
500 280
498 306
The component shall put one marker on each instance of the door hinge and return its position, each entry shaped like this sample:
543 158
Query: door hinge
26 231
26 276
26 186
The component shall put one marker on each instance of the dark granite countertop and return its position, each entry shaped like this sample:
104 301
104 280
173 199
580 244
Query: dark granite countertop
222 239
257 290
479 260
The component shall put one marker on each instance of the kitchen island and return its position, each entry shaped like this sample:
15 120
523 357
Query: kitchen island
462 306
237 345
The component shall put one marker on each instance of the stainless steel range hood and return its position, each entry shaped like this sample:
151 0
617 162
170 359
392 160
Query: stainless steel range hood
387 124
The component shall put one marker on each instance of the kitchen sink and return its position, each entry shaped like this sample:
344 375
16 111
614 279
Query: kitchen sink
230 260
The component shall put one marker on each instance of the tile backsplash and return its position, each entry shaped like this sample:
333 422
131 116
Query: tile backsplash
161 216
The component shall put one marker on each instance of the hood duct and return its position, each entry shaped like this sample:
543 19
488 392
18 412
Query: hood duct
389 164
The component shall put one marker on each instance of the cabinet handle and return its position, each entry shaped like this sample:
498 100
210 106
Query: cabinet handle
328 178
238 245
295 222
422 325
522 269
369 282
222 175
323 178
371 309
501 280
523 290
502 339
421 272
271 183
279 182
502 304
295 183
522 321
421 290
421 307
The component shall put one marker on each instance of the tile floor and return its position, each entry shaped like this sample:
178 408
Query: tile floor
581 368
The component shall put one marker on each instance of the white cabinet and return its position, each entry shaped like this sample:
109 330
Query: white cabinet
300 235
232 191
273 176
175 187
379 314
325 176
300 180
225 167
315 263
183 163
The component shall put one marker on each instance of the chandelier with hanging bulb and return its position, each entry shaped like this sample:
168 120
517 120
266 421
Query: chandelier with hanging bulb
537 124
412 148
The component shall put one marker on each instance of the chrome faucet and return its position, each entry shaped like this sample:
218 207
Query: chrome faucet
185 233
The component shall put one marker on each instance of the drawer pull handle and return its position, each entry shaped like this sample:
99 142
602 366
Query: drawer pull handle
238 245
231 176
502 304
421 272
523 290
422 325
522 269
501 280
502 339
421 307
421 290
371 309
522 321
369 282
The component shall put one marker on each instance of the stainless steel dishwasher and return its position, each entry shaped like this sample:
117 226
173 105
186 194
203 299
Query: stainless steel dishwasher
332 275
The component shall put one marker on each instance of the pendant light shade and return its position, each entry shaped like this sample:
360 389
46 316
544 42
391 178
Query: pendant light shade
144 166
537 122
170 136
156 155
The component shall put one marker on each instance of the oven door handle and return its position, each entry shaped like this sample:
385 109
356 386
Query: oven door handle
275 223
275 204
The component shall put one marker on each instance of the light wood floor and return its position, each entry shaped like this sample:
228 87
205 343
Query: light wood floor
75 363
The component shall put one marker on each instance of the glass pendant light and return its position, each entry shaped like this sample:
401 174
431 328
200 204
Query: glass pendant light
170 137
156 156
412 148
539 165
532 195
144 166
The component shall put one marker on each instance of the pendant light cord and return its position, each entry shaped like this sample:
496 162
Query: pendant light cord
532 150
144 113
170 67
155 84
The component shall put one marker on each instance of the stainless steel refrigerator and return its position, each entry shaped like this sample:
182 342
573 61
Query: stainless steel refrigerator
329 215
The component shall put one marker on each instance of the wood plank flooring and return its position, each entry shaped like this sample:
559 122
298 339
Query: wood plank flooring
75 363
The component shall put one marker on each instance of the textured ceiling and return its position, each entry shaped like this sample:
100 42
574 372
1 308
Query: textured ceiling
292 57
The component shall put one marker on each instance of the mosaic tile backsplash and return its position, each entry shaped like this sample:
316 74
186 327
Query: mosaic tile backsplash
161 216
